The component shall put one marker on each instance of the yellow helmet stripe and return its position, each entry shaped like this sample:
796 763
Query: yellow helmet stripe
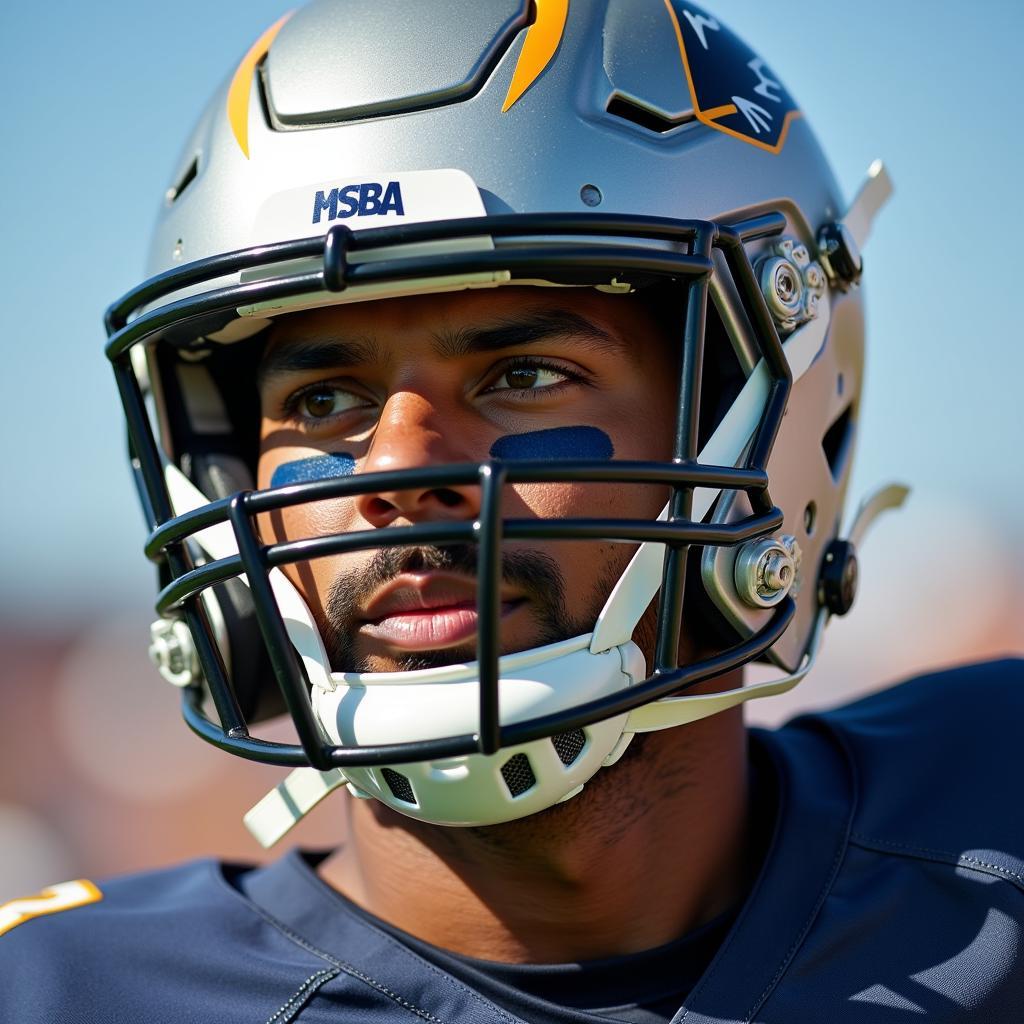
542 39
241 84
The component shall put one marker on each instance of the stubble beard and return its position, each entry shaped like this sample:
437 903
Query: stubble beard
541 579
537 575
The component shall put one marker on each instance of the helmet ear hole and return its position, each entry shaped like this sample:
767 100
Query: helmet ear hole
837 442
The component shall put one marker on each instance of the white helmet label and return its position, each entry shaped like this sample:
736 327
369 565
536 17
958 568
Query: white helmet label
366 201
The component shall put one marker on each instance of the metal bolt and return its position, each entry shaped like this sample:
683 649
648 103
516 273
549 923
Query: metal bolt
785 283
776 572
782 288
814 277
173 652
764 572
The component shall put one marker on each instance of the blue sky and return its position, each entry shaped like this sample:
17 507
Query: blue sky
98 100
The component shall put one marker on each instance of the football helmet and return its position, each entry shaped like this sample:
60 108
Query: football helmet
365 150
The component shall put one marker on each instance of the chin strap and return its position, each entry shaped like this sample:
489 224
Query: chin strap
291 800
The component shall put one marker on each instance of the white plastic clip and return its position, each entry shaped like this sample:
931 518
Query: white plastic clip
874 193
890 497
289 802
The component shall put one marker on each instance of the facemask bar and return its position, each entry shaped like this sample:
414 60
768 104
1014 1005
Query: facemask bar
581 261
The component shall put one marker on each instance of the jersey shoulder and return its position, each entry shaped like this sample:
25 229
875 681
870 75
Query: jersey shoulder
936 763
155 946
69 912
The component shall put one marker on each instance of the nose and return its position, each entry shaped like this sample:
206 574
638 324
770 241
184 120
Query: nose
412 433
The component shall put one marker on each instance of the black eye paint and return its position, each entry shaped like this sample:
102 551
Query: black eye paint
555 443
317 467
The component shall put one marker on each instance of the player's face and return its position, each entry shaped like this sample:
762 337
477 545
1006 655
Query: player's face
463 377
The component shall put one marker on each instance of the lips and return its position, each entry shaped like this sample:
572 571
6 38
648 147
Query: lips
429 611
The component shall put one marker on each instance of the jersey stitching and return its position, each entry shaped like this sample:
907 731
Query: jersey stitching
308 988
409 954
851 766
927 853
806 927
340 964
347 968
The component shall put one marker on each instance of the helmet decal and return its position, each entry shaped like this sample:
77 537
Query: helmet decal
542 39
731 87
241 84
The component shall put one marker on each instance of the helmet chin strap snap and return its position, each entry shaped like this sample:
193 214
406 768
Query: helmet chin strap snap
840 571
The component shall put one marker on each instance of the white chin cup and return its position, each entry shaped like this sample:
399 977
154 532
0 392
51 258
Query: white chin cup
478 789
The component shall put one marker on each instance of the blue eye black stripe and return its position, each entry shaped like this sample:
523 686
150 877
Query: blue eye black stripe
318 467
555 443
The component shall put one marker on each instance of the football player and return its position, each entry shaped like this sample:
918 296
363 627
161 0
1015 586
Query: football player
492 402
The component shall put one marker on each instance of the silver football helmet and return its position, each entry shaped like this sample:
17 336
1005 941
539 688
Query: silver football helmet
616 144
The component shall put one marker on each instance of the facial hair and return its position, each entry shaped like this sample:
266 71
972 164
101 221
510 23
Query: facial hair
535 574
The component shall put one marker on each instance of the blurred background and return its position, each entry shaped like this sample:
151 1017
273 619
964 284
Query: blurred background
98 101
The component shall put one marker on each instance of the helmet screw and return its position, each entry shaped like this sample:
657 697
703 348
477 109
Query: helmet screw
776 571
783 289
766 571
837 587
173 652
814 277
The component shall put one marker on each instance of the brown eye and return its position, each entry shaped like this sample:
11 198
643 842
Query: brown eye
522 377
319 403
529 378
324 400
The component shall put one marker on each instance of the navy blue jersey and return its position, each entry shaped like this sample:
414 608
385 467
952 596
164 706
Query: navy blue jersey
892 890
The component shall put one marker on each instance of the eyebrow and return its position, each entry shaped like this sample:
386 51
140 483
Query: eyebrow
526 329
311 355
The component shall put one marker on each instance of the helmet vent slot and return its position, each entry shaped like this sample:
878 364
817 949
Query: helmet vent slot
569 745
399 785
836 442
175 191
630 110
518 774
